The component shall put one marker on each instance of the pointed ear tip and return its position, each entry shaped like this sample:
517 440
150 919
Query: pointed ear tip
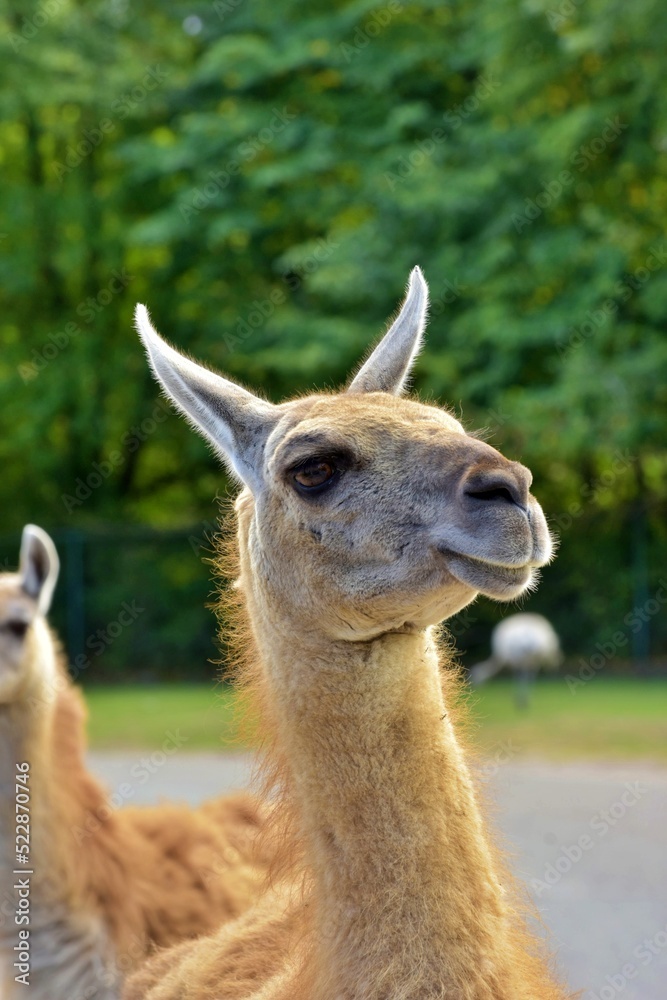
141 317
142 324
417 275
33 532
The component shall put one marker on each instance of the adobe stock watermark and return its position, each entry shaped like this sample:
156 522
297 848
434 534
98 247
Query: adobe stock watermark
453 118
624 289
107 976
580 160
100 640
139 774
130 442
502 754
201 197
260 311
88 310
457 115
204 541
590 492
120 108
645 952
607 650
460 623
96 643
497 419
224 8
448 293
30 26
310 262
562 14
599 825
111 975
220 864
370 29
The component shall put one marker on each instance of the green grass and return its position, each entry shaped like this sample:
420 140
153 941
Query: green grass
602 720
136 717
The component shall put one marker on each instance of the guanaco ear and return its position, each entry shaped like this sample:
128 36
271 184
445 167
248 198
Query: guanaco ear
39 566
233 420
388 367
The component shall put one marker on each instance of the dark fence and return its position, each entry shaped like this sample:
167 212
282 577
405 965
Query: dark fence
133 604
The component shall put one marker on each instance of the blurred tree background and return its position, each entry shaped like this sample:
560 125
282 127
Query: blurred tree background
264 175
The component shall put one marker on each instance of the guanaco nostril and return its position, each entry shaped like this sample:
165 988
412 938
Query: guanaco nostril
497 488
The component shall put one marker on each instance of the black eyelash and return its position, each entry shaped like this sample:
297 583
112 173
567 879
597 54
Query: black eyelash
342 460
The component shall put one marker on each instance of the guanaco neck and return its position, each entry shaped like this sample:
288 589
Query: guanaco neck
25 739
42 727
406 901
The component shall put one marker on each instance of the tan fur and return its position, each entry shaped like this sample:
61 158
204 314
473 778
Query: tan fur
387 886
275 943
120 880
158 874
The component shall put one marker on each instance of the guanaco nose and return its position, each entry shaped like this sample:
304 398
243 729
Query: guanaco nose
508 485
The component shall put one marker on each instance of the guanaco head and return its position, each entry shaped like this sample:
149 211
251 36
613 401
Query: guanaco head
25 597
364 511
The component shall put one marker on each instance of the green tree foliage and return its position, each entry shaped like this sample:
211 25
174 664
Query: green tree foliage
264 175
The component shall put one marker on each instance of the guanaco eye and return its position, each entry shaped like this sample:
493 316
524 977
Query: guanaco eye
315 474
15 627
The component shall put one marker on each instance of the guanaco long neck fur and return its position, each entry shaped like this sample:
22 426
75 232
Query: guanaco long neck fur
407 900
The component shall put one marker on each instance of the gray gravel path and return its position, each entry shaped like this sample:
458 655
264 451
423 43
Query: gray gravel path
587 840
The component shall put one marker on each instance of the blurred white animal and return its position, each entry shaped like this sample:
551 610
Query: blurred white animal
525 643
